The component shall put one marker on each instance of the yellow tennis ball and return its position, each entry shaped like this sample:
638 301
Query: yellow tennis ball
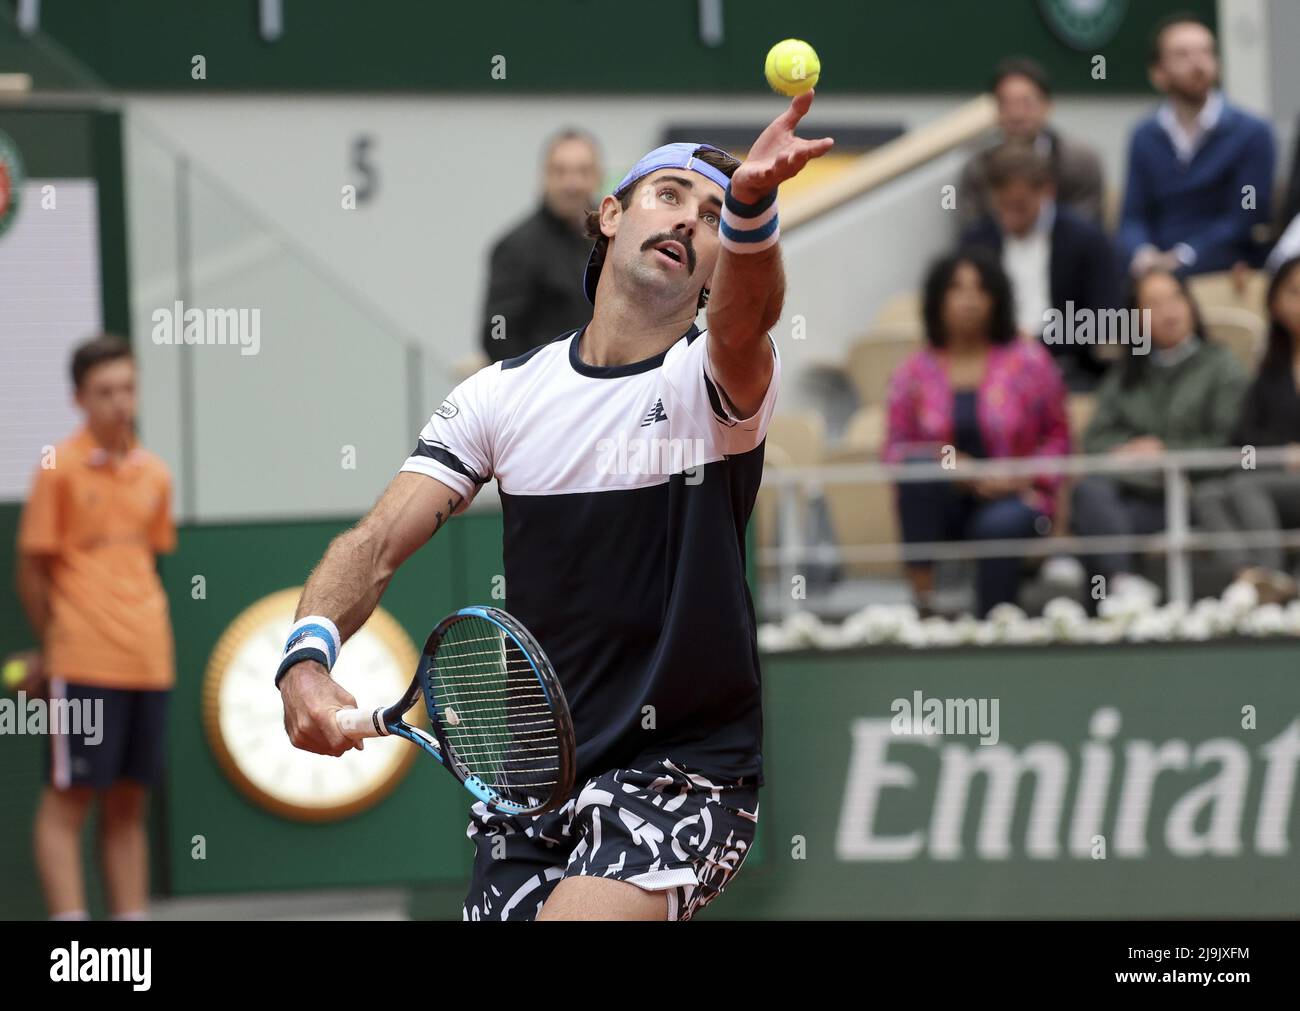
792 67
14 672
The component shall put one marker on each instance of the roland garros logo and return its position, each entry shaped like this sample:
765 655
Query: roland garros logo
11 181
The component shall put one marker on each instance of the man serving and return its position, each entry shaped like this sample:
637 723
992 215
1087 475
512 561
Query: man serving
628 566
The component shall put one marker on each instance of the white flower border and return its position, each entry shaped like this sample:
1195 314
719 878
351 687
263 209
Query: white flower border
1237 613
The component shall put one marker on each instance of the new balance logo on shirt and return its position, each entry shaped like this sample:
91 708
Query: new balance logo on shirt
655 413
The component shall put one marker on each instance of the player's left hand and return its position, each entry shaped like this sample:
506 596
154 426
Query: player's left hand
778 154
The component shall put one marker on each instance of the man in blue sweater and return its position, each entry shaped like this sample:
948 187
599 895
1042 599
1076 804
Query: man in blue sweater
1200 173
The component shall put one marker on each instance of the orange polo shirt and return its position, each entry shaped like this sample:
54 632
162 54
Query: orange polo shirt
101 522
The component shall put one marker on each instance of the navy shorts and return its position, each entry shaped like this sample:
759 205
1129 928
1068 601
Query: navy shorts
122 735
667 829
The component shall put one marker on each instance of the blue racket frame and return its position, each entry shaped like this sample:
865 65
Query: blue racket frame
437 745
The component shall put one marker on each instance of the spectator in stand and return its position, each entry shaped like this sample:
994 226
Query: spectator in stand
1185 394
1288 243
976 392
1055 258
1024 97
1264 499
1287 247
534 294
1200 170
1291 202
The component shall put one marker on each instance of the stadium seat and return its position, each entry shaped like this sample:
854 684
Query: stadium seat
1218 290
801 438
862 514
793 440
904 308
1079 409
1240 330
866 430
765 506
873 359
463 368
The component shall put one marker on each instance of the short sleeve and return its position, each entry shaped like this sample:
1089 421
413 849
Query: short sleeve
40 530
698 384
162 528
455 446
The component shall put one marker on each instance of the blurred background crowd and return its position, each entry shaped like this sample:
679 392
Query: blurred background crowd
1073 313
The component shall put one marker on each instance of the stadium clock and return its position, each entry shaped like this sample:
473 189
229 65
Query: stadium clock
244 719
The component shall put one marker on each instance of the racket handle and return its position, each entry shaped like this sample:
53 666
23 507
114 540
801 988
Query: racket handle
359 724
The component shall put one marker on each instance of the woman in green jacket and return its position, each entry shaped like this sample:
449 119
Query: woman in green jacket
1185 393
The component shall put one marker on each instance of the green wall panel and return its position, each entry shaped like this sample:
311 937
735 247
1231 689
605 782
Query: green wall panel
581 46
1184 697
246 847
53 143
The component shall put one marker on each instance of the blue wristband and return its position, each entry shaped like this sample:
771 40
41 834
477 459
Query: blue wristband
749 228
311 638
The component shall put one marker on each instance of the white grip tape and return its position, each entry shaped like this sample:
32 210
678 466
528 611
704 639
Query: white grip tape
359 724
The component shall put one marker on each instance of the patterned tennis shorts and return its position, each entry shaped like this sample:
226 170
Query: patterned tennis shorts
666 829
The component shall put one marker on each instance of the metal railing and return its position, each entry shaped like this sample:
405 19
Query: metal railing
1176 541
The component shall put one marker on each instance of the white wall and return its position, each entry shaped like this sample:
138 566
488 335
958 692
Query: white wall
455 171
341 290
49 303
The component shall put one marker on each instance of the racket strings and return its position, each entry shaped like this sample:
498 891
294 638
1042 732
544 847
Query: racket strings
494 711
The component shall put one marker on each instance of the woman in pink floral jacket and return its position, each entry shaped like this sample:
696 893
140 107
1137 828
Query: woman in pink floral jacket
978 391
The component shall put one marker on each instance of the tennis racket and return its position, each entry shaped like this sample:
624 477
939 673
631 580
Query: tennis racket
499 720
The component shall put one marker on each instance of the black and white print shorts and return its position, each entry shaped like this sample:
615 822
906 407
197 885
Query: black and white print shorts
666 829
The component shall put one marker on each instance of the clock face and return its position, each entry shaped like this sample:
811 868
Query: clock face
244 717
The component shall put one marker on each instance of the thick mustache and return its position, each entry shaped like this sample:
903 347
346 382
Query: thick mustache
686 244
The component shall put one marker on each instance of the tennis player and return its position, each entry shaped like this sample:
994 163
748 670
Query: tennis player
627 455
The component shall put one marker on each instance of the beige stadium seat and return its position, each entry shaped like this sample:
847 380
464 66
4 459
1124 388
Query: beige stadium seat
1240 330
862 514
865 432
801 438
873 359
463 368
1218 290
793 440
1079 409
1111 207
765 506
901 308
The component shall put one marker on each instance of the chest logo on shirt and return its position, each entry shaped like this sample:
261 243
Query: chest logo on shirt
655 413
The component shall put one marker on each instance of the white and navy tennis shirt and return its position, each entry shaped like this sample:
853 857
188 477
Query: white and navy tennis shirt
625 492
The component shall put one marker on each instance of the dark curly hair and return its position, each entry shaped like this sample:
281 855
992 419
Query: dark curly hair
993 279
721 161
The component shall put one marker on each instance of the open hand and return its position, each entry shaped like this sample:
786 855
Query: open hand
777 154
